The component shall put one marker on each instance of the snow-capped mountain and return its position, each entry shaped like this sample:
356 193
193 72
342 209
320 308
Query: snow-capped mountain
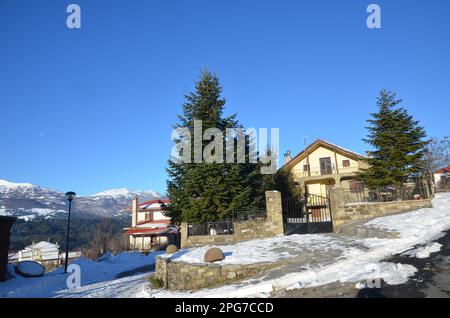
28 201
124 192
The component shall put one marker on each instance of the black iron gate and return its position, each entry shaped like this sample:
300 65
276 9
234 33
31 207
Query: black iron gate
309 213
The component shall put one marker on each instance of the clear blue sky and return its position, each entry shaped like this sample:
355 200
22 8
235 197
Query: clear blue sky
92 109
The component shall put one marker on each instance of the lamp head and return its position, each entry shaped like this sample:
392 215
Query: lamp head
70 195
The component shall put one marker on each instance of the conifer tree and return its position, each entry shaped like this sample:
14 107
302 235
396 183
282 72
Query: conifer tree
398 145
202 192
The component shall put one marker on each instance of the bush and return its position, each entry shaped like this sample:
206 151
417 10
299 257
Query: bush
156 282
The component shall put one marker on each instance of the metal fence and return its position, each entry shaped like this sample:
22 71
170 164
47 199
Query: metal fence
225 227
211 228
249 215
384 194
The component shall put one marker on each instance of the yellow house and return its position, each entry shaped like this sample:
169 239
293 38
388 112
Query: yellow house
322 166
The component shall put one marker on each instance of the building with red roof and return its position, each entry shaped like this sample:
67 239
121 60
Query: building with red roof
150 229
442 179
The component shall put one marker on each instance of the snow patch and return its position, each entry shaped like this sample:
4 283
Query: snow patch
424 251
91 272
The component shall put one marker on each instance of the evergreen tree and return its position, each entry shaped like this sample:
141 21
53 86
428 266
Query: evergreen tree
398 145
201 192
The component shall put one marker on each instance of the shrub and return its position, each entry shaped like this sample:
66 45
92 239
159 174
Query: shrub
156 282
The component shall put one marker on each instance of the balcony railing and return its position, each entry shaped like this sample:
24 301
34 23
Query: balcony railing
316 171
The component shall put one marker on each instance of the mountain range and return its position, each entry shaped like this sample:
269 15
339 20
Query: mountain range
28 201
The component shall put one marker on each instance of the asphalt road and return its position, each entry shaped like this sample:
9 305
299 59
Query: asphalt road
430 281
432 278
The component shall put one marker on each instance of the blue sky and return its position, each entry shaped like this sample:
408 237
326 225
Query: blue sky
92 109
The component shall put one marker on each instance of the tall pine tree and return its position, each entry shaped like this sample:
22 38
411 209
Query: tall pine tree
398 145
202 192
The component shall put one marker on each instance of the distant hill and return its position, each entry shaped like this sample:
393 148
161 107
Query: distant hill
28 201
42 213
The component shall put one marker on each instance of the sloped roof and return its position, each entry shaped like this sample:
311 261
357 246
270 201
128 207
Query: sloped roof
43 245
443 170
316 144
162 221
154 231
152 205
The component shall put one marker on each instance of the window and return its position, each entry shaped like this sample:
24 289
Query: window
346 163
325 166
306 168
148 216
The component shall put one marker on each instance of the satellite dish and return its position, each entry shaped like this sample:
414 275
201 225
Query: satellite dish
29 269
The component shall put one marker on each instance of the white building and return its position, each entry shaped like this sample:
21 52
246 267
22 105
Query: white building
442 178
150 228
40 252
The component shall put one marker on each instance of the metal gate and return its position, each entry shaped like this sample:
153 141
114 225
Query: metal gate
308 214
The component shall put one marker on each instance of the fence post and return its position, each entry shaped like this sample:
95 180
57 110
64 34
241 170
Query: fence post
275 211
305 206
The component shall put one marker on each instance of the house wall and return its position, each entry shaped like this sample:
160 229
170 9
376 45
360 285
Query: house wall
441 185
437 178
314 162
157 215
144 243
316 182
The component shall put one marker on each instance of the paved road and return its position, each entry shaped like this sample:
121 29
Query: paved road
431 280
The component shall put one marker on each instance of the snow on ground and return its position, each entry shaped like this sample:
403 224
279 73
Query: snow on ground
127 287
424 251
52 283
264 250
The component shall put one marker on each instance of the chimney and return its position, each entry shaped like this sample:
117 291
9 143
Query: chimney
134 212
287 157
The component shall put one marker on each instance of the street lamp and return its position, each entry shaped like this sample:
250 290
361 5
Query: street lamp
70 196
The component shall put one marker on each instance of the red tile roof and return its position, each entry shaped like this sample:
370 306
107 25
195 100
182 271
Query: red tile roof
158 230
443 170
164 221
166 200
156 201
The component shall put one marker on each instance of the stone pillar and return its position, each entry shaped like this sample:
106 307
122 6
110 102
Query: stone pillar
337 204
337 199
161 270
275 211
184 234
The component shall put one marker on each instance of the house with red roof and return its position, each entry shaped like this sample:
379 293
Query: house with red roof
442 178
150 228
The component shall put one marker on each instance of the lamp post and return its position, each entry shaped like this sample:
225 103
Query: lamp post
70 196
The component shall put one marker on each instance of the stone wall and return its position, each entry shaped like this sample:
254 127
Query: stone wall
270 226
344 213
185 276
